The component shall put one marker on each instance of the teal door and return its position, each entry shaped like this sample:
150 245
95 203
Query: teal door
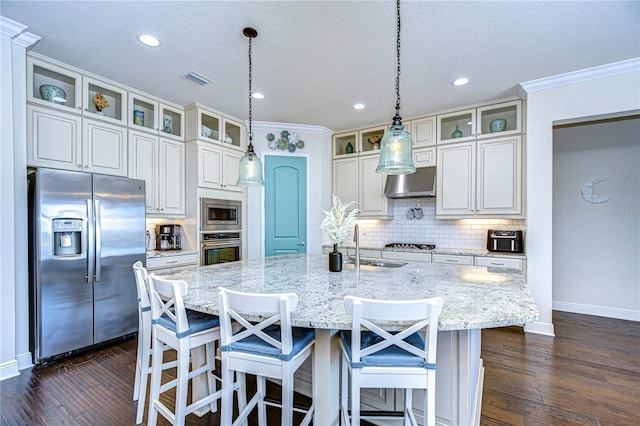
285 204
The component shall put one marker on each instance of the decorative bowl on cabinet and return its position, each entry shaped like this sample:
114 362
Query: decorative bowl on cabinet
52 93
498 125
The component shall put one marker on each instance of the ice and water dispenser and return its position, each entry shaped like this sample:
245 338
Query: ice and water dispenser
67 237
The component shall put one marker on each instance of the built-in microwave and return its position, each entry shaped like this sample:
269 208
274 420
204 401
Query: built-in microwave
220 215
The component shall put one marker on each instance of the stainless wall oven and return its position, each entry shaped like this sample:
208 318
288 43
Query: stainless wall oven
220 247
220 215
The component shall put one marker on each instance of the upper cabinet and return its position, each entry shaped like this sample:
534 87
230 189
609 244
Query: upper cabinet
423 131
361 142
208 125
54 86
496 120
152 115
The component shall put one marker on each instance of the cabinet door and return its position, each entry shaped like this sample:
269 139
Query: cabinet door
143 113
232 134
171 177
143 164
209 167
104 148
115 96
455 193
345 179
499 183
53 139
44 73
230 171
424 132
424 157
372 201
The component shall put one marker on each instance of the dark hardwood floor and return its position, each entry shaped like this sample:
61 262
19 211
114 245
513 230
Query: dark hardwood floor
589 374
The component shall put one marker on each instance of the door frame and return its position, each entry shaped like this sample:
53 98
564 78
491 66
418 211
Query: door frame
263 155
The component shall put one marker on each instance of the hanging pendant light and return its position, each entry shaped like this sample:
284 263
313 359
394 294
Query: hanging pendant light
250 173
396 156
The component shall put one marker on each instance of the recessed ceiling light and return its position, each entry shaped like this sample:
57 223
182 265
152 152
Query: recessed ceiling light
461 82
359 106
258 95
149 40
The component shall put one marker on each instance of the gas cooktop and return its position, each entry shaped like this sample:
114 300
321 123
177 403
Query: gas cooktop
416 246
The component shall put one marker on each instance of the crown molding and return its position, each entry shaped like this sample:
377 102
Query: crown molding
17 32
622 67
306 128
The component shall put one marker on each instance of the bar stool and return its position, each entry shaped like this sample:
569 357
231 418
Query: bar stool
375 358
266 349
182 330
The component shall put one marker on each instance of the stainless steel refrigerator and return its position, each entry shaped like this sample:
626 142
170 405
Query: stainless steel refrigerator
86 232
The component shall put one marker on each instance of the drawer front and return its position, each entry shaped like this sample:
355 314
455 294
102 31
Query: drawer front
171 261
499 262
403 255
364 253
452 259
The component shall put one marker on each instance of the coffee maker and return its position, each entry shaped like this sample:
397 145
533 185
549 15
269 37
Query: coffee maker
168 237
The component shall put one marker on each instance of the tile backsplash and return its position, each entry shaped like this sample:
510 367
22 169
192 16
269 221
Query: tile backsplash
449 233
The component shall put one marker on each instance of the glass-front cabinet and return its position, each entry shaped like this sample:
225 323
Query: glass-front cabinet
457 126
143 112
61 88
500 119
208 125
172 124
345 144
370 140
232 133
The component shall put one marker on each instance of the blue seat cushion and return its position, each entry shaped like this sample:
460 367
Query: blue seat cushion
391 356
198 321
255 345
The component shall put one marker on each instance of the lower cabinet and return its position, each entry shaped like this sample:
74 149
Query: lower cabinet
355 179
453 259
173 261
160 163
66 141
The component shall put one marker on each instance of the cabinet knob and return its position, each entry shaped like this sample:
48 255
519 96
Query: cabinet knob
79 165
86 109
86 166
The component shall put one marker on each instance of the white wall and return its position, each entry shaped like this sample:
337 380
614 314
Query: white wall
601 90
14 298
596 249
318 151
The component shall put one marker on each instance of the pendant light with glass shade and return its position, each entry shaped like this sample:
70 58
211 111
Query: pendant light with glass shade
396 156
250 173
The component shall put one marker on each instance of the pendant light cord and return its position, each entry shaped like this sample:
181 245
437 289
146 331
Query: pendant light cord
250 147
397 119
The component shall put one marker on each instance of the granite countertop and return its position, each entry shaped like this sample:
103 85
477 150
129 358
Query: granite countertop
474 297
167 253
451 251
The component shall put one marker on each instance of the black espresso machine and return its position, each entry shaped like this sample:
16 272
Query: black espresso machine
168 237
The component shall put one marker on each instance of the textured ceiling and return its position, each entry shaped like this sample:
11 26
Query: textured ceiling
314 59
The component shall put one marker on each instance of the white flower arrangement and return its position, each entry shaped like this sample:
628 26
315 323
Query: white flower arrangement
337 223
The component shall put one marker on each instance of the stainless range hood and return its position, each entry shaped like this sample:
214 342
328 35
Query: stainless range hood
422 183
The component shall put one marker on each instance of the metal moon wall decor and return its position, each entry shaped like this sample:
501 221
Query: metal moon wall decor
288 141
587 192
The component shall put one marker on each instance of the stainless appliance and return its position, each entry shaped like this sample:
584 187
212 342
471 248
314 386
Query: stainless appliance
220 215
168 237
220 247
505 241
422 183
85 232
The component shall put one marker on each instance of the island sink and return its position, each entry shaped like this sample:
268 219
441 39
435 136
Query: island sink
375 262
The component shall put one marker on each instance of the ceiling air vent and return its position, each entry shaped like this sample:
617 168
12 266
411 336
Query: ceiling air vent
197 78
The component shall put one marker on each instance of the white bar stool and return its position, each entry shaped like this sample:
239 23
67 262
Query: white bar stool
376 358
266 349
182 330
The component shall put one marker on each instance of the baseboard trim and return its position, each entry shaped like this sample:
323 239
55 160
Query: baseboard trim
599 311
25 361
538 327
9 369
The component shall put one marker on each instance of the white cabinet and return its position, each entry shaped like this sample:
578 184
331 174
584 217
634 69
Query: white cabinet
406 255
160 162
500 119
64 140
500 262
217 167
152 115
423 131
424 157
214 127
453 259
173 261
355 179
54 85
482 178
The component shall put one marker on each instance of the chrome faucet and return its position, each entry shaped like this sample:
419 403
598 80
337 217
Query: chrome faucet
356 239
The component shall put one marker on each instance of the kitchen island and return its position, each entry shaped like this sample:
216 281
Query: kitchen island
474 298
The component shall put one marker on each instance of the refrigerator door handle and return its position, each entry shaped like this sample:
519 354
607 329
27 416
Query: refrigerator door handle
98 241
91 255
